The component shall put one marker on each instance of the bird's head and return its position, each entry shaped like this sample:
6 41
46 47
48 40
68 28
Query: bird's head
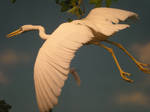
22 29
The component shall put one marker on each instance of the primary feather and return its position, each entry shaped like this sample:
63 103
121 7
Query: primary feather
53 61
105 20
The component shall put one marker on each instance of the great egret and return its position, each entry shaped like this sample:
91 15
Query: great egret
53 61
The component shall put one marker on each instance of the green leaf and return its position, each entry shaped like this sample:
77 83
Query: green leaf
65 5
80 12
115 0
97 3
64 8
74 2
76 11
108 3
93 1
73 10
57 1
69 20
13 1
74 6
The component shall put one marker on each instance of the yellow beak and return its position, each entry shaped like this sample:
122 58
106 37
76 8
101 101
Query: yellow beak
16 32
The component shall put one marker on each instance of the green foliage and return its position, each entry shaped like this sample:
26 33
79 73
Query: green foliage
13 1
66 4
108 3
76 11
69 20
4 107
99 3
70 6
76 7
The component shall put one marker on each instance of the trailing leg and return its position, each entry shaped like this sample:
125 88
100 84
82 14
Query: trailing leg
75 75
122 73
140 65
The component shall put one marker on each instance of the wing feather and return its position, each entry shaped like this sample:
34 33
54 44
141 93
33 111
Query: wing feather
43 88
44 74
105 20
38 92
57 79
50 97
41 97
53 62
59 75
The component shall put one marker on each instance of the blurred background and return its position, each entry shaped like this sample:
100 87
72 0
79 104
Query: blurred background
102 89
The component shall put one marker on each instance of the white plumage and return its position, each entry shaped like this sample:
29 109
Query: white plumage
52 65
57 52
54 59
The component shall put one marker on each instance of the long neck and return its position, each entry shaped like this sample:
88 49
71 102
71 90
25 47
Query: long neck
42 33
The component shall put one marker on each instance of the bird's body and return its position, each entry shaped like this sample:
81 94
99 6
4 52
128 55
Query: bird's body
54 57
52 65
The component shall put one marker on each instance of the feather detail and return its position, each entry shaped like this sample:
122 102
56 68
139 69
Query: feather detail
52 65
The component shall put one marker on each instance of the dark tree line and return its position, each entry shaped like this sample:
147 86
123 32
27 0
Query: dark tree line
4 107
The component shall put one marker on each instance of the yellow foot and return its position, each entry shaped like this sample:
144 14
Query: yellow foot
124 76
144 67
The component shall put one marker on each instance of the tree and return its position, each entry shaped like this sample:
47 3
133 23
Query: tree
4 107
76 7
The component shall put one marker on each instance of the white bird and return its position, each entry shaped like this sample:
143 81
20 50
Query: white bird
52 64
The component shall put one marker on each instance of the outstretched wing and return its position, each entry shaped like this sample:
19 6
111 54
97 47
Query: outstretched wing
105 20
53 62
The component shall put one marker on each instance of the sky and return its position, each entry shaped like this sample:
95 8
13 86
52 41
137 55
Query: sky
102 89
